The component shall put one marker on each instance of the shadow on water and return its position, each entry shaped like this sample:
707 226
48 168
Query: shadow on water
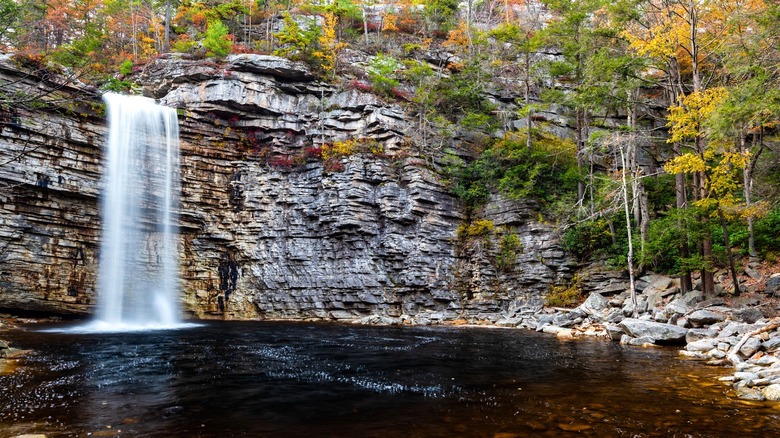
286 379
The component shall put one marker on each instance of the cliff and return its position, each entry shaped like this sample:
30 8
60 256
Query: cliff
270 227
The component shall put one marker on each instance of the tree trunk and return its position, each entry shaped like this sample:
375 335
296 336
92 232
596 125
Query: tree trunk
686 281
729 254
630 255
747 187
167 38
530 114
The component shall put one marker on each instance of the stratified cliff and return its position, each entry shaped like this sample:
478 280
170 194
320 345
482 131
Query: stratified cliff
270 228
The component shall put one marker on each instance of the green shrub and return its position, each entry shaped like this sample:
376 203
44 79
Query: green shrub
217 40
565 295
126 67
508 249
382 72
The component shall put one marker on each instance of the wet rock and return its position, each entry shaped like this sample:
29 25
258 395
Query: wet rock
660 332
614 332
747 393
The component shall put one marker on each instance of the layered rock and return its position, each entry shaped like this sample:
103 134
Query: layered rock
269 229
49 184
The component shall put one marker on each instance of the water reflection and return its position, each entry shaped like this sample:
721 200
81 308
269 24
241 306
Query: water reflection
263 379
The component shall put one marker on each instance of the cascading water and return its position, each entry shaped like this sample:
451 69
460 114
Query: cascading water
138 272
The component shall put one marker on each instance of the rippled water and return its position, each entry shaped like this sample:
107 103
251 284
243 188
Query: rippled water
320 380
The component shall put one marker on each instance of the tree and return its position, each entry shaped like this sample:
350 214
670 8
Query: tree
217 40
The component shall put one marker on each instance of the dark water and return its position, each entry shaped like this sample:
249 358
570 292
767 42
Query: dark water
321 380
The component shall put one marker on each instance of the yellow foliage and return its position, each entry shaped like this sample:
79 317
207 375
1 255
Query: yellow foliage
685 119
477 228
686 163
330 44
339 149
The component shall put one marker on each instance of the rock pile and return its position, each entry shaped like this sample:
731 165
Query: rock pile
721 331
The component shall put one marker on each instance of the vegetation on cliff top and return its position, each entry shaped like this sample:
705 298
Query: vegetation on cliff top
664 109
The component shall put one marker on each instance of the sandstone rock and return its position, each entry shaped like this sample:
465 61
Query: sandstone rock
660 332
303 242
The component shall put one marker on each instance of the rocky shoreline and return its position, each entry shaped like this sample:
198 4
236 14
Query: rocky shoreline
724 330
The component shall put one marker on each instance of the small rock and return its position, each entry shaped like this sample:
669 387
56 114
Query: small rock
677 307
752 273
744 376
692 297
644 341
614 332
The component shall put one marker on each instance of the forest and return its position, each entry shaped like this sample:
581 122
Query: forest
646 130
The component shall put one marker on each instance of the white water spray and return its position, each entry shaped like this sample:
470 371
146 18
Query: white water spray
138 274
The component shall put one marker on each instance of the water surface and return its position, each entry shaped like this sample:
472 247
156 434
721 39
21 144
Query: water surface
321 380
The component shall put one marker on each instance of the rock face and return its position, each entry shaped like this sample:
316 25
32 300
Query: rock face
270 227
49 184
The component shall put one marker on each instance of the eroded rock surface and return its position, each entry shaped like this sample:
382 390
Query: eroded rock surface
269 229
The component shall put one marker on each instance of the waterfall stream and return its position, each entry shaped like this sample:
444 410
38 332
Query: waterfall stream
138 272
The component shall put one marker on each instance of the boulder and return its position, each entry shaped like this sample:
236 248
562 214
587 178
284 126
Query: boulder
750 347
701 345
677 307
749 315
746 393
772 392
693 297
704 317
772 284
595 303
697 334
661 332
771 344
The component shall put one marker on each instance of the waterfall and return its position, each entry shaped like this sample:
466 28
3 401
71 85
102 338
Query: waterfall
138 272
